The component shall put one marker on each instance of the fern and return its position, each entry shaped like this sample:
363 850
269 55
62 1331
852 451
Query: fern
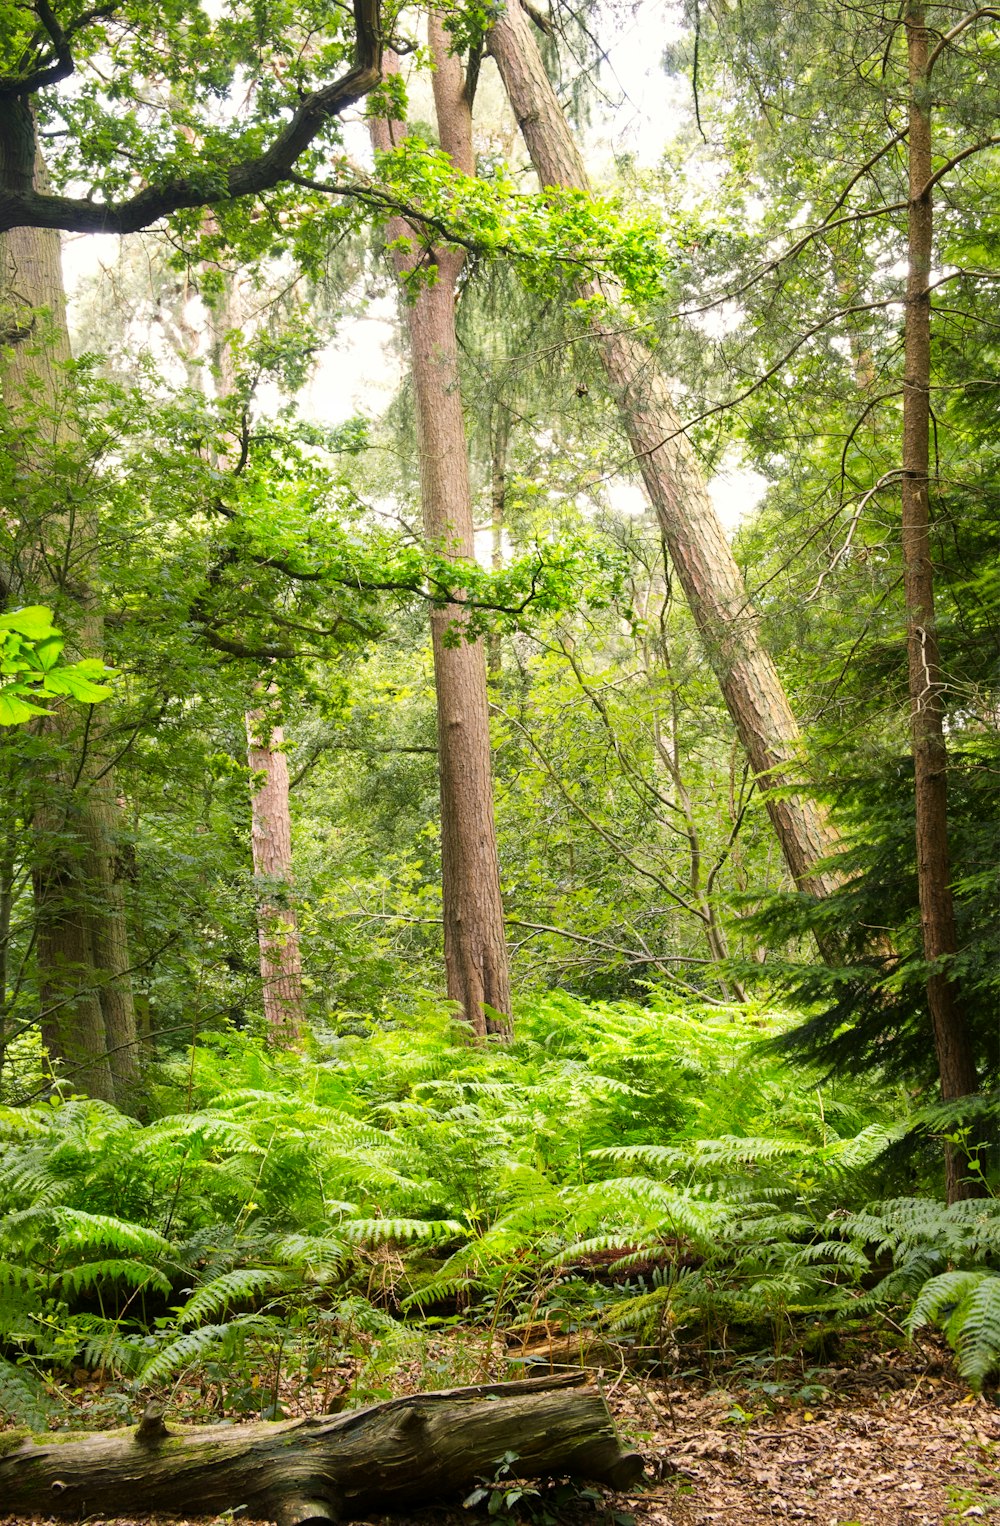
243 1285
185 1351
23 1396
966 1305
384 1231
477 1177
99 1231
91 1274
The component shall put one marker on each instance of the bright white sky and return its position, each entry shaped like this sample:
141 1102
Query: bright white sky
361 368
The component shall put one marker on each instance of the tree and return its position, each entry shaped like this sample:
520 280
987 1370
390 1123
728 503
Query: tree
834 286
952 1038
134 179
696 541
270 809
271 841
475 946
81 943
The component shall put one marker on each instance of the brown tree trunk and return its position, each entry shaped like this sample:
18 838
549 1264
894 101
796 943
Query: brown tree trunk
271 836
952 1041
85 996
270 803
475 948
324 1468
699 551
498 513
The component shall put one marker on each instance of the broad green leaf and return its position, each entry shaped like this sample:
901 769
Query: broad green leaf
34 621
77 684
14 710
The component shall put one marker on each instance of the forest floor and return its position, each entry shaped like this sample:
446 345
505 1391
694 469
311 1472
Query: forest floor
894 1439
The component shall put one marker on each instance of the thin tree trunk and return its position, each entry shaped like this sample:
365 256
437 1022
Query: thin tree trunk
85 997
270 804
271 836
8 865
697 544
952 1040
475 948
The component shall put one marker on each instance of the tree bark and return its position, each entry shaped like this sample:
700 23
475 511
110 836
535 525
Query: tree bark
499 442
271 837
270 804
475 948
952 1040
85 996
326 1468
699 551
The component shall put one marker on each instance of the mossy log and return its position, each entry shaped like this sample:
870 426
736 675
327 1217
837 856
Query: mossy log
326 1468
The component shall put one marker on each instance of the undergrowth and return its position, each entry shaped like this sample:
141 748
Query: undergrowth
646 1172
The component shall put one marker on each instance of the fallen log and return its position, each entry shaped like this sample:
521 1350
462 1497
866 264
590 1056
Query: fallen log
325 1468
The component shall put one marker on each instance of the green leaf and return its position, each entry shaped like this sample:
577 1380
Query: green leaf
34 621
78 682
45 654
14 710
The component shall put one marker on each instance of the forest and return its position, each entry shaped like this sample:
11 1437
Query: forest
500 756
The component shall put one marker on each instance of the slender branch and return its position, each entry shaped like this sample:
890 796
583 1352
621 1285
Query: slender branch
884 481
595 826
974 148
956 31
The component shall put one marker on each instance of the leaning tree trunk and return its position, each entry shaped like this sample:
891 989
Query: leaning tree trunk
475 948
328 1468
952 1040
85 995
702 558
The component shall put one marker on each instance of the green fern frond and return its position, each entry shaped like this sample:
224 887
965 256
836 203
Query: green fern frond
973 1330
440 1289
941 1294
836 1252
100 1231
380 1231
315 1255
183 1352
243 1285
966 1305
91 1274
595 1246
213 1128
23 1397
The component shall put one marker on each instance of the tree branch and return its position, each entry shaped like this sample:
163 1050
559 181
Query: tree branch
27 207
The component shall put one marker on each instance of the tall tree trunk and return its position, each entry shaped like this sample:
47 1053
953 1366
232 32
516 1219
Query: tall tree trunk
86 1009
271 836
500 439
952 1040
475 948
698 548
270 803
